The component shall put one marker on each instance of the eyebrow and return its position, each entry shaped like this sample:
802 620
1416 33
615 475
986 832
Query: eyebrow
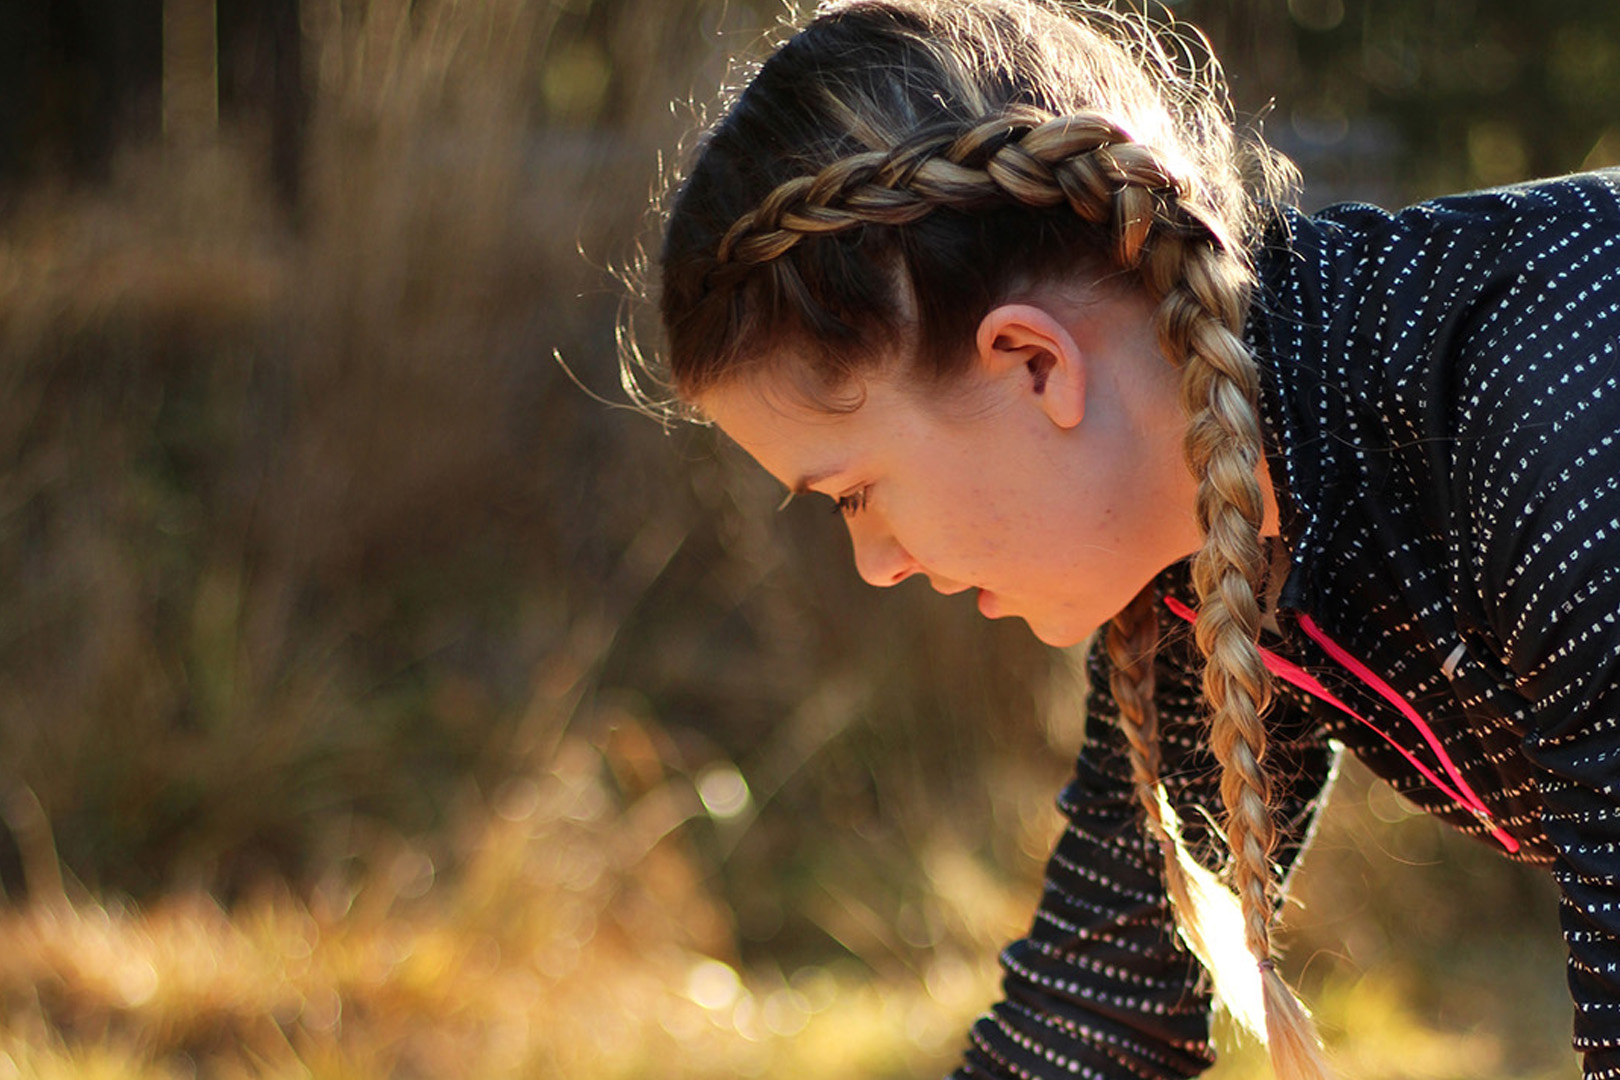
802 486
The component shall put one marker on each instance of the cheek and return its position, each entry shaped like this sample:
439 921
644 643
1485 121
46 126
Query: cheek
983 534
988 518
970 531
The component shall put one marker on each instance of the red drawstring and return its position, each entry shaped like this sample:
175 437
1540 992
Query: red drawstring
1462 794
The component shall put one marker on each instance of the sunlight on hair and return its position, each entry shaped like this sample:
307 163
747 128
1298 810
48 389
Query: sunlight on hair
1213 931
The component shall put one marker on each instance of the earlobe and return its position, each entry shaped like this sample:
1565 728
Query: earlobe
1028 343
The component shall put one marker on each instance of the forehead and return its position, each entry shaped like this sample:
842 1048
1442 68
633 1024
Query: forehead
792 436
770 400
802 441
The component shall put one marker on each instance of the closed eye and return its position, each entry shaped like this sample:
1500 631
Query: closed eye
851 504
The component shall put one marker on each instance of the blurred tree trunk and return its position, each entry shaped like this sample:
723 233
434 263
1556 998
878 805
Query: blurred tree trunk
190 71
261 68
76 77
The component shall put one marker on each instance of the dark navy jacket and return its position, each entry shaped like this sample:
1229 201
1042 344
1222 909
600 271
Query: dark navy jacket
1442 407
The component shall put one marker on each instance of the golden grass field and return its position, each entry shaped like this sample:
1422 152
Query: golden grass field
565 946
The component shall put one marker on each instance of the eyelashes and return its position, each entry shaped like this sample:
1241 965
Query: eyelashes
851 504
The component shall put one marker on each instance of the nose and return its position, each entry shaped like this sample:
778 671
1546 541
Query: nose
880 559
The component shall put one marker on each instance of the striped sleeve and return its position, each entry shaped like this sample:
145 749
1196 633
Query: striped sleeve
1538 466
1100 987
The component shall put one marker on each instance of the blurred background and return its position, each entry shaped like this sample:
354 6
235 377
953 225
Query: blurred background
381 698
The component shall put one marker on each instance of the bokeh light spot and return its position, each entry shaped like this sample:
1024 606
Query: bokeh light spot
1496 151
1317 14
713 985
786 1012
723 790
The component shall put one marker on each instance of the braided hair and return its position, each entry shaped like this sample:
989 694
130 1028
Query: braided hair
899 167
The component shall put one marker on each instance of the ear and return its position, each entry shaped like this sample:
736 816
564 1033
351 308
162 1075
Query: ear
1027 342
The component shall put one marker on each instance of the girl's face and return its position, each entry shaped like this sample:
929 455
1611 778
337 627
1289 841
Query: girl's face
1050 480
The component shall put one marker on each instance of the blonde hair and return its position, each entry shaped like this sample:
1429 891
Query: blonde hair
896 169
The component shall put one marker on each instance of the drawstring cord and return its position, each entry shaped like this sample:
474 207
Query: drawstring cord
1289 672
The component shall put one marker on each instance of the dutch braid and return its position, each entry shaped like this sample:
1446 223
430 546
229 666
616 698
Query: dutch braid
1186 263
1208 915
1085 160
1201 320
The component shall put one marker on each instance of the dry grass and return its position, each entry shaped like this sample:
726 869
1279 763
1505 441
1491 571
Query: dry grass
576 939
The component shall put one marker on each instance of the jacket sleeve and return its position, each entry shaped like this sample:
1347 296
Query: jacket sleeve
1101 987
1537 463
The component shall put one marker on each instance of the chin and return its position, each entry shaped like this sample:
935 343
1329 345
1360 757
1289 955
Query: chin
1061 629
1060 637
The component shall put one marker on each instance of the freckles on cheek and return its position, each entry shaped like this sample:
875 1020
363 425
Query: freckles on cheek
1108 526
988 528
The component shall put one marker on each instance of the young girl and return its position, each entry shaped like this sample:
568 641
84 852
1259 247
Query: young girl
1001 280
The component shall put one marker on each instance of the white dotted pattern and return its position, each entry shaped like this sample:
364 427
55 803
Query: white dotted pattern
1442 406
